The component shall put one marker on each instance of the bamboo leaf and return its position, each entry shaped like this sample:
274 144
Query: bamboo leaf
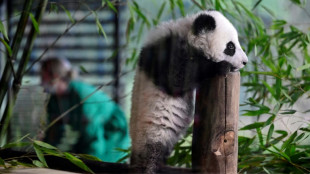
140 32
124 158
131 10
278 87
262 110
253 126
289 141
2 162
3 31
53 7
269 135
7 46
279 153
247 11
281 132
181 7
278 24
42 144
262 73
111 6
304 158
286 95
270 89
68 13
270 120
136 8
267 171
203 3
305 129
53 152
100 28
255 112
83 69
289 111
218 6
77 162
40 155
303 67
89 157
268 11
160 12
34 23
172 4
38 163
129 28
256 4
300 137
16 143
122 150
260 136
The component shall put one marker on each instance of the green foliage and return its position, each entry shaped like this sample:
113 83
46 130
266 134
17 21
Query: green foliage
5 38
3 31
276 77
289 158
77 162
182 154
42 150
110 5
34 22
7 46
99 26
68 13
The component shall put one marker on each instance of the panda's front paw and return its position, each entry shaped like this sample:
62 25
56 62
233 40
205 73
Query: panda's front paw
224 68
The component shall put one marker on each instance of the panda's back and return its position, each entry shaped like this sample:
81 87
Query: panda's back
156 116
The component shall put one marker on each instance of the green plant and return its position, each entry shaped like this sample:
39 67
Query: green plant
12 75
276 77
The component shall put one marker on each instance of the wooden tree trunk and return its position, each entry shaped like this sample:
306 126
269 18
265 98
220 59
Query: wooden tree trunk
215 139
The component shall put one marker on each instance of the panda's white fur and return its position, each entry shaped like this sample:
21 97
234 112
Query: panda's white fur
182 27
156 118
159 117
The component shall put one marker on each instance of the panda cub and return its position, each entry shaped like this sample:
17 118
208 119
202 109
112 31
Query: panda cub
175 58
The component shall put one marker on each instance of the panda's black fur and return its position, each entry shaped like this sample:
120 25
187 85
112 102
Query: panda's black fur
176 67
203 22
176 57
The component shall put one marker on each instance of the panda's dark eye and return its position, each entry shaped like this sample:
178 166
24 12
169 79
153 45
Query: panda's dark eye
230 49
230 46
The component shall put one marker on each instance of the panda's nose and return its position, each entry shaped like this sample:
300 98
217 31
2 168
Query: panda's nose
244 63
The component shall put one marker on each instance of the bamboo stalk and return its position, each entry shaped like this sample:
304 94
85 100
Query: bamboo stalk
22 66
9 69
28 48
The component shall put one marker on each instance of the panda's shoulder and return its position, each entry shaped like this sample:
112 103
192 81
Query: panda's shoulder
179 28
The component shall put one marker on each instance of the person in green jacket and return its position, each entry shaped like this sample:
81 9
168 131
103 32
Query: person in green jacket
96 126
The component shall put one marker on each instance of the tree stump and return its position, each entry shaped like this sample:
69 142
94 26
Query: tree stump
215 139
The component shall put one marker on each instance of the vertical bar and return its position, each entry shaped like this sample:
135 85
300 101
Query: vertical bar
215 139
117 57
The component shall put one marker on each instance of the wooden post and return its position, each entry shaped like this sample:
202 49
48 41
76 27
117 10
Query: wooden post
215 139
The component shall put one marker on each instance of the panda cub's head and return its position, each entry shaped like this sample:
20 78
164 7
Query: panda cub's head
214 36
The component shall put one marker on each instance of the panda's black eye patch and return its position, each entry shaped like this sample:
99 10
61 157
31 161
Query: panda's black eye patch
230 49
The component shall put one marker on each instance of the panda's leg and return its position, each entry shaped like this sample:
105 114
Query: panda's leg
156 155
149 159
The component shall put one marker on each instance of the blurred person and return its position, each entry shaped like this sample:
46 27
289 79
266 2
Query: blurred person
97 126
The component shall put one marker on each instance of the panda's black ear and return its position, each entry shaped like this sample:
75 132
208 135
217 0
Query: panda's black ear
203 22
